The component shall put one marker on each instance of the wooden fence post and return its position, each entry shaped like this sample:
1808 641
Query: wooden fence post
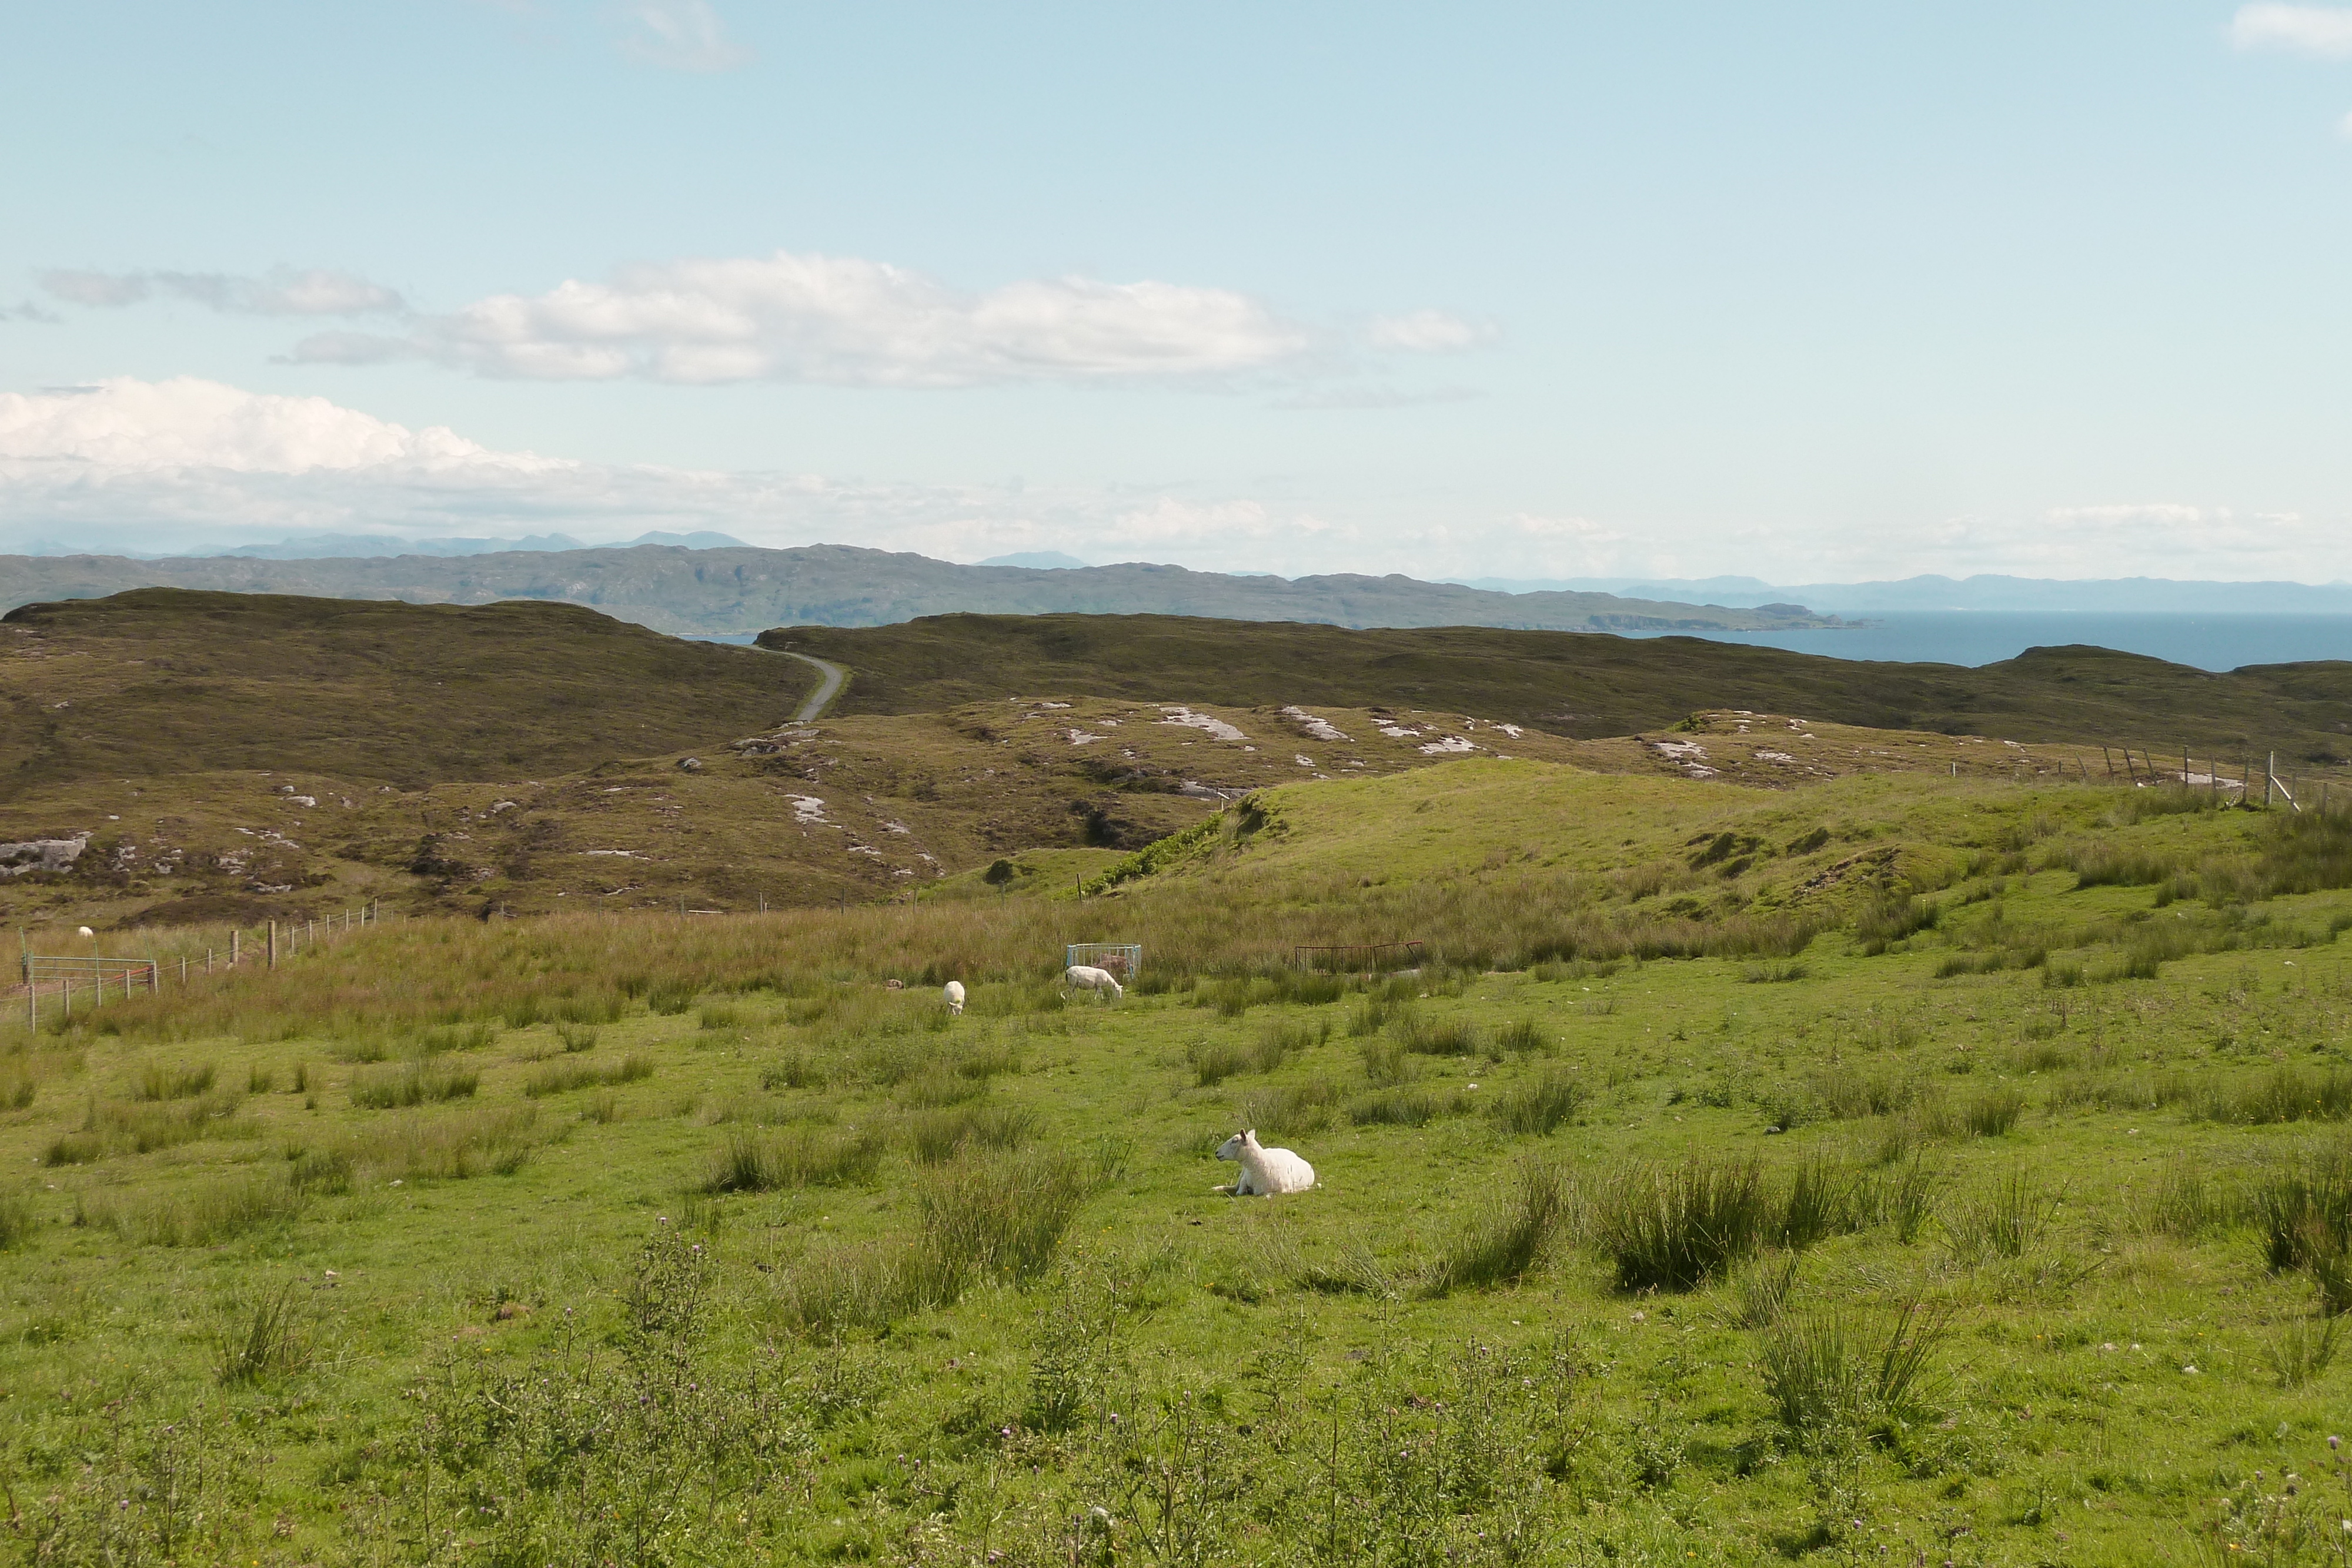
273 943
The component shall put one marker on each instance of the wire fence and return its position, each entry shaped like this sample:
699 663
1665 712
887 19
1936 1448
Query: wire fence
58 984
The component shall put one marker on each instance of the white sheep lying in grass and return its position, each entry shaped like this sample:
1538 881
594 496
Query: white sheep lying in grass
955 997
1265 1171
1086 977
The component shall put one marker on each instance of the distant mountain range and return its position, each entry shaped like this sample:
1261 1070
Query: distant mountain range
738 590
2126 595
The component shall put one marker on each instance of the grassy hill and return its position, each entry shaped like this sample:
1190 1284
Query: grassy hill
237 758
1587 685
1981 1188
165 680
741 590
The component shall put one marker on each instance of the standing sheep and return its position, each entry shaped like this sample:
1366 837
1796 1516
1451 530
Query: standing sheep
955 999
1086 977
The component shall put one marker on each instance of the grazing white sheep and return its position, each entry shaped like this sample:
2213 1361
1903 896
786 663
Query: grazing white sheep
1265 1171
955 997
86 930
1086 977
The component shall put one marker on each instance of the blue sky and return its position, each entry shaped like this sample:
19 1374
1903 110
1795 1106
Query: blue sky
1807 292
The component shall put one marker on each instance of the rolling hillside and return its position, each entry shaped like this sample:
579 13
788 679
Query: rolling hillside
1588 685
165 681
712 593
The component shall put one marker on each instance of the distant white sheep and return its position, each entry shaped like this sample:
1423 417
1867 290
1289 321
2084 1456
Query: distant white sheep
955 997
1087 978
1264 1172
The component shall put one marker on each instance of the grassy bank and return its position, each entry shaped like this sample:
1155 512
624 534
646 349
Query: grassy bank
1965 1182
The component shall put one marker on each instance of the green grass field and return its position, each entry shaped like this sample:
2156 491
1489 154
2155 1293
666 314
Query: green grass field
1898 1169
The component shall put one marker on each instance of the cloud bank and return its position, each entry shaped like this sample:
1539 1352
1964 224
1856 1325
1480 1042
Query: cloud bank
825 319
160 465
841 322
680 36
2322 30
317 291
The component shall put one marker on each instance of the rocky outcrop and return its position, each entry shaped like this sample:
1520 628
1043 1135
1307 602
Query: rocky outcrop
41 854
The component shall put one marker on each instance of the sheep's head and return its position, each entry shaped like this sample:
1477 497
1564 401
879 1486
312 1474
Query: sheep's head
1231 1149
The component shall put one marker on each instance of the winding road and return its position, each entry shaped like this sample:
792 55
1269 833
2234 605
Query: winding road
826 689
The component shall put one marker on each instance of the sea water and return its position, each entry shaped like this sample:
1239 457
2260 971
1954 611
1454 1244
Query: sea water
1984 637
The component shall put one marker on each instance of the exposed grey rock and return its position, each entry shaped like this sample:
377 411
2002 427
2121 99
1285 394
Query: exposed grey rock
41 854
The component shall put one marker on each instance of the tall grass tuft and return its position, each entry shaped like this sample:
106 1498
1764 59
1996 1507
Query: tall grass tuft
2299 1349
1213 1061
196 1215
996 1217
1522 1037
936 1136
1510 1239
1540 1105
449 1147
2003 1221
2303 1211
2285 1095
1993 1112
1761 1291
158 1081
260 1334
1675 1228
576 1037
412 1083
796 1070
562 1077
1910 1198
803 1156
1407 1105
1423 1035
1820 1203
17 1218
1825 1371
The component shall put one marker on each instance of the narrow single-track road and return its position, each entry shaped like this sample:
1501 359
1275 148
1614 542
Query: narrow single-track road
826 689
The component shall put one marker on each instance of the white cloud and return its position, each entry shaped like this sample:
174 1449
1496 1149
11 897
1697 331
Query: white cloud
680 36
2129 514
315 291
1427 332
843 321
159 465
127 426
2322 30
